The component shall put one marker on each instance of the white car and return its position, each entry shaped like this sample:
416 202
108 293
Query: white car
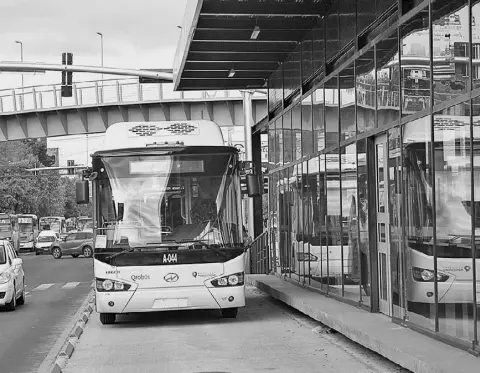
12 277
45 240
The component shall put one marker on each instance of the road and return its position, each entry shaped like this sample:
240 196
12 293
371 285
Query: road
55 290
267 336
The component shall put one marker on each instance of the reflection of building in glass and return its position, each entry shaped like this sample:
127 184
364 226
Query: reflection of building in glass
362 221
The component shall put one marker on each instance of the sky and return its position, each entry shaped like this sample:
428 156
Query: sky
136 34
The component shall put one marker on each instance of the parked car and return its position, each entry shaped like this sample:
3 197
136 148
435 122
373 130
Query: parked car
75 244
44 241
12 277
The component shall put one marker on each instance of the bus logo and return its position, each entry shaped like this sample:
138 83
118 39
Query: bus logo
171 277
169 258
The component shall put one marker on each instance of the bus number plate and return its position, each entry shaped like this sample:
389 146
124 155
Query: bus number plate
170 303
170 258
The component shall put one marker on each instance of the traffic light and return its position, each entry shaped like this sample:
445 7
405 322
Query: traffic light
67 59
71 171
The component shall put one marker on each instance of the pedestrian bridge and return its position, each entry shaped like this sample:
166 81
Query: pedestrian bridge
40 111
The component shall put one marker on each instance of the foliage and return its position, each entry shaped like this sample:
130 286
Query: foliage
22 191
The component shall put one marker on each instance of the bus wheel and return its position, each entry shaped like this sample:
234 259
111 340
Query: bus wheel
107 318
229 313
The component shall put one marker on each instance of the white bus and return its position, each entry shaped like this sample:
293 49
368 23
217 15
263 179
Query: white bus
453 212
167 219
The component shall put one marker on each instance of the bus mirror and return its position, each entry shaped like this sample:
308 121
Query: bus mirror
82 192
120 211
253 185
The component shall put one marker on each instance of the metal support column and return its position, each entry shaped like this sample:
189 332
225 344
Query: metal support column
248 123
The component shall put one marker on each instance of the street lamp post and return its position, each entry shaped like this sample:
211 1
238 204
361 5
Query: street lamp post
21 60
101 48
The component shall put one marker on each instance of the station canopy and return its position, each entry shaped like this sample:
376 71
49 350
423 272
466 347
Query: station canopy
237 44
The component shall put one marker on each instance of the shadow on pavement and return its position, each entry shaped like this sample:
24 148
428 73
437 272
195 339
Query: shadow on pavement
198 317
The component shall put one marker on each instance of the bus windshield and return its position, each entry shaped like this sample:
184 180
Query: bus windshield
170 202
453 186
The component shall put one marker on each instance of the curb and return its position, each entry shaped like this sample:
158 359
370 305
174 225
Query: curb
72 339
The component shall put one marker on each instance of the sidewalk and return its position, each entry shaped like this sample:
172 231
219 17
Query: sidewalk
405 347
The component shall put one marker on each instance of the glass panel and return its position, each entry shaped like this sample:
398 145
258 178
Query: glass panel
279 138
331 112
383 5
388 80
296 211
275 219
314 228
379 153
275 89
332 31
307 56
475 53
287 138
453 199
451 75
271 146
347 103
365 87
284 221
365 14
307 127
415 63
476 210
362 268
334 223
319 119
297 131
349 221
348 21
319 46
394 208
307 219
291 72
272 217
418 219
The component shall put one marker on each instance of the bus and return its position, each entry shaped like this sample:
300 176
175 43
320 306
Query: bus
453 211
54 223
9 229
28 230
167 213
322 254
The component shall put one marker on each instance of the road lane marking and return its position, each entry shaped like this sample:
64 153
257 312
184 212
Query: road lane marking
43 287
70 285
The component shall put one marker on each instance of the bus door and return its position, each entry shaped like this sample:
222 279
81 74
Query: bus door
383 224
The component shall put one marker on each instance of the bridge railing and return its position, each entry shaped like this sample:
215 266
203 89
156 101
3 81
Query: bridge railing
102 92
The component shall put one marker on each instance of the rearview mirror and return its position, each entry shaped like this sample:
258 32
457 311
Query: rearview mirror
17 261
253 185
82 192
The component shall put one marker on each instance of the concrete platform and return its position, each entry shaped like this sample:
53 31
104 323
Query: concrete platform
405 347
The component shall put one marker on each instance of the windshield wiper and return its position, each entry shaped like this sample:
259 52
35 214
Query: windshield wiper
129 250
206 244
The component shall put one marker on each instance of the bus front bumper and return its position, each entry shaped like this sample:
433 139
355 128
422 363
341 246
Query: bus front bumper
162 299
460 292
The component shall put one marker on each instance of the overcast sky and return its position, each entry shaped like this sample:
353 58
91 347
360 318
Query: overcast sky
137 34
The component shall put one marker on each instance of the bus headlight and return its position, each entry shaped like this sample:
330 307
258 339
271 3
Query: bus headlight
236 279
427 275
111 285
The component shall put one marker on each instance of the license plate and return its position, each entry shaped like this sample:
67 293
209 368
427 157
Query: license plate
170 303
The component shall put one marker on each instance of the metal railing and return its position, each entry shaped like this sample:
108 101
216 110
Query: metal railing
259 255
103 93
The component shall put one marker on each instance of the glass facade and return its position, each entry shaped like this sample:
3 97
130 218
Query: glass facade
374 173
